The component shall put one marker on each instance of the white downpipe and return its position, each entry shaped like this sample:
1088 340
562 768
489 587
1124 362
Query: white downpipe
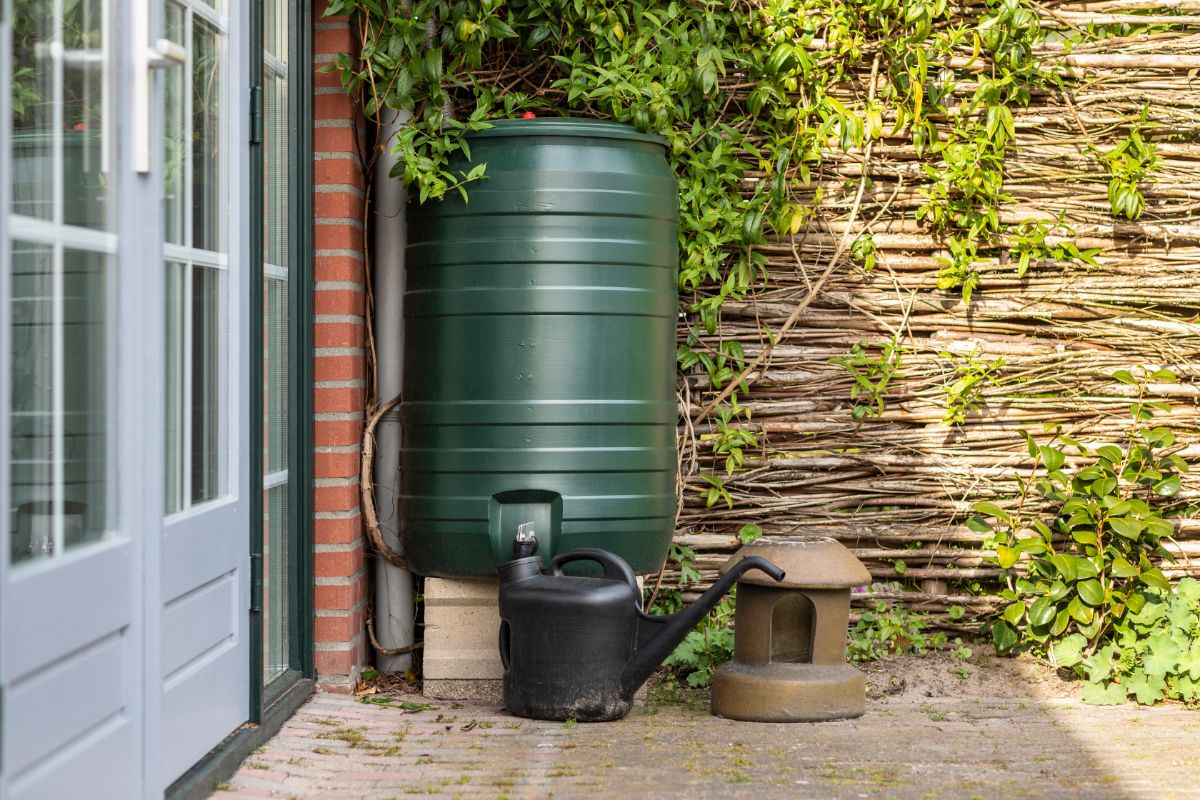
394 612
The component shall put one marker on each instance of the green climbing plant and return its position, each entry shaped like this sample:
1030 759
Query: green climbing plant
752 99
1078 574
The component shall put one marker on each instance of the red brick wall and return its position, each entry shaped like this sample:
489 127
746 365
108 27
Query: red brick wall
339 367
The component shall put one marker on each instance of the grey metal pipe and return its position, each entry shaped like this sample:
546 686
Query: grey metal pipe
394 612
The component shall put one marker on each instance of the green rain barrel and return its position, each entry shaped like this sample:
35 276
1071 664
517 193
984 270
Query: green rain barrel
539 352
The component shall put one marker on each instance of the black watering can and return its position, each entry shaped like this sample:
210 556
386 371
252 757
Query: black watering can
578 647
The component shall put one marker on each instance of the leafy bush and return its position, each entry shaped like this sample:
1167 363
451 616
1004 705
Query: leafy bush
1090 597
1153 654
890 630
1090 563
708 646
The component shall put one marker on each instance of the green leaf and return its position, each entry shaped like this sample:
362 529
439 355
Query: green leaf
749 533
1061 620
991 510
1084 568
1065 565
1122 568
1099 695
1052 457
1147 689
1069 651
978 525
1189 662
1003 636
1124 376
1079 612
1168 487
1090 592
1042 611
1162 654
1006 557
1126 526
1111 453
1155 578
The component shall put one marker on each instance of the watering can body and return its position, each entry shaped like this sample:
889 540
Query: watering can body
580 647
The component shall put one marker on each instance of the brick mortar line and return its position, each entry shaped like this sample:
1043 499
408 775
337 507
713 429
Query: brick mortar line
335 647
338 580
338 252
328 319
339 286
334 483
341 222
336 514
339 613
336 155
338 448
337 548
338 416
339 352
338 188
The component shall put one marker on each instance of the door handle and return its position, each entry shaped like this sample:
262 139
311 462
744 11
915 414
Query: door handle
146 59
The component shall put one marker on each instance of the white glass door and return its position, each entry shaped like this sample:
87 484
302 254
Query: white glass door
124 531
72 637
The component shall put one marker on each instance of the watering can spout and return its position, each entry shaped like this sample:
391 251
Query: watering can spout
658 636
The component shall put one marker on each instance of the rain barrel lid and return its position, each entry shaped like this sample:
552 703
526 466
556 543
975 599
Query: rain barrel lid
565 126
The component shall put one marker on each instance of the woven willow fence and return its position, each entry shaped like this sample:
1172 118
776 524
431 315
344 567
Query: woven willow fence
897 488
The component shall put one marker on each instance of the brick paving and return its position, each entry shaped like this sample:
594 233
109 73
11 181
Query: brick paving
336 747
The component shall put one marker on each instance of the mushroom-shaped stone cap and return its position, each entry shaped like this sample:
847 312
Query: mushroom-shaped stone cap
811 562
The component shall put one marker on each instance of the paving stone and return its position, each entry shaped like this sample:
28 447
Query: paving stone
338 749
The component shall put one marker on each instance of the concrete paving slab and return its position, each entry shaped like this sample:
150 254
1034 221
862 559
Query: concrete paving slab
906 749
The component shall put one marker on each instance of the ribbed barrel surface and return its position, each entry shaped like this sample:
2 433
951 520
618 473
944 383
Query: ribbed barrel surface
539 357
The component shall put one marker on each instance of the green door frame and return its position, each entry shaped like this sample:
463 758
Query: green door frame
271 707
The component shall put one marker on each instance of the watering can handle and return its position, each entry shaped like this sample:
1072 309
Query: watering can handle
615 568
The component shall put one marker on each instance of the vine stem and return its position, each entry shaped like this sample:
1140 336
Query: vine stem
763 360
367 487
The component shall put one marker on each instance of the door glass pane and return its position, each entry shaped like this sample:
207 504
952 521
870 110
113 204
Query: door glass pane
32 400
276 586
275 374
196 202
207 383
59 287
59 399
33 111
175 388
277 527
84 184
208 165
175 156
